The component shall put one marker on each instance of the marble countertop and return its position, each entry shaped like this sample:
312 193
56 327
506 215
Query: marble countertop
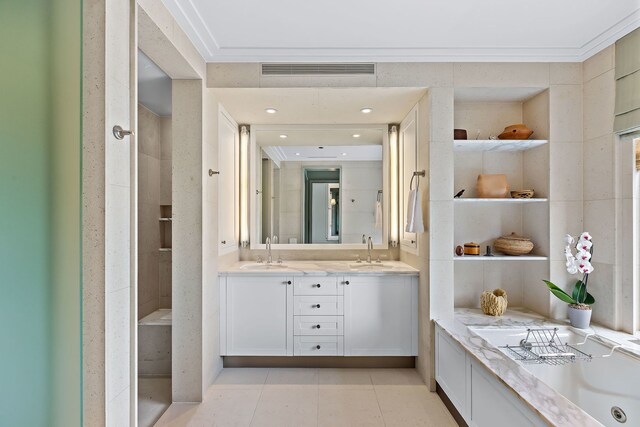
318 268
552 407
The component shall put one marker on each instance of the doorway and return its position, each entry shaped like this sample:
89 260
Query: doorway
321 205
154 241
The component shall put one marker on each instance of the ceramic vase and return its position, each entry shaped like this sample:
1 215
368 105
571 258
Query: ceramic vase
579 318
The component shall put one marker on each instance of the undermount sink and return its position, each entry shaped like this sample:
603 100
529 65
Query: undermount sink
366 266
262 266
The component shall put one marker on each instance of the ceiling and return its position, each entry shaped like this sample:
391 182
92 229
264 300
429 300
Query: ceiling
319 136
403 30
154 86
319 105
331 153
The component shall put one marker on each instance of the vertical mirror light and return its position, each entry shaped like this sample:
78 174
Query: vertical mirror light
393 186
244 186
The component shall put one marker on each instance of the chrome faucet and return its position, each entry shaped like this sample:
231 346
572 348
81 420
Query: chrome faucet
268 245
369 249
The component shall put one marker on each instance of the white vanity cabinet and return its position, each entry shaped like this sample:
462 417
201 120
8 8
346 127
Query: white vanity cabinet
318 309
330 315
479 397
256 315
381 315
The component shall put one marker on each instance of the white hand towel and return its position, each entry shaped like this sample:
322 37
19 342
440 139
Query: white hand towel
378 215
414 213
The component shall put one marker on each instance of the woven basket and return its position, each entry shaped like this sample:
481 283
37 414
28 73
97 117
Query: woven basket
513 245
494 303
522 194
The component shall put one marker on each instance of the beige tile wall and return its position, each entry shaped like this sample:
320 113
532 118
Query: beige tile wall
149 134
154 189
599 157
106 199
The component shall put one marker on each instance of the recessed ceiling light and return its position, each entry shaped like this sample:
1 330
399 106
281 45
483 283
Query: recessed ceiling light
283 136
344 154
271 110
356 135
366 110
297 154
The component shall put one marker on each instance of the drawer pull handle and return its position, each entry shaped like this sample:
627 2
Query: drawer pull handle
317 286
317 326
346 283
288 282
318 347
316 306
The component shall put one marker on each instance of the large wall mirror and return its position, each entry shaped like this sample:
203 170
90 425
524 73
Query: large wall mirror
320 185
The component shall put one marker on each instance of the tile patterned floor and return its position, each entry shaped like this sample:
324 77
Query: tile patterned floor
313 397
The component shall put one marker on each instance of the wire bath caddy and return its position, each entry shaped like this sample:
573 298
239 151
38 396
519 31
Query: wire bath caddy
544 346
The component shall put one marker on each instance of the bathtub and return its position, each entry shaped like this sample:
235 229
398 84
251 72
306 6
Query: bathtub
609 380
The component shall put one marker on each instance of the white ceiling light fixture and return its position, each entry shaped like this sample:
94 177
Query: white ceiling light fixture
366 110
270 110
297 154
356 135
344 154
283 136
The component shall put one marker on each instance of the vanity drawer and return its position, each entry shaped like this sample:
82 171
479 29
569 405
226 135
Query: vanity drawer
318 325
321 285
318 305
318 346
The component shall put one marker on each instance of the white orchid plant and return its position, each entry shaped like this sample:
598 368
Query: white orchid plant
580 263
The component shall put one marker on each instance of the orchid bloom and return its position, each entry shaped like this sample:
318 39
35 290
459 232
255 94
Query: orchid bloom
585 236
581 261
585 267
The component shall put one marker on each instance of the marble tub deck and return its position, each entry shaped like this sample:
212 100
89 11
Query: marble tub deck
552 407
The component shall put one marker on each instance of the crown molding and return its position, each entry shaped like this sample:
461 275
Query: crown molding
200 34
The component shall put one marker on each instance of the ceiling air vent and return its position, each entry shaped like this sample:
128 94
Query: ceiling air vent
323 69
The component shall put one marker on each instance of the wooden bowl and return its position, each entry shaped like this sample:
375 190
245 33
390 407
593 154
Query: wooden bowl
519 131
522 194
513 245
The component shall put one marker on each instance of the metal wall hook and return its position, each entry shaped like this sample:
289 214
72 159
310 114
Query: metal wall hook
212 172
120 133
417 174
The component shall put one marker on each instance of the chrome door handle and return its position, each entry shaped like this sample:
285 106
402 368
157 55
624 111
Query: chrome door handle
120 133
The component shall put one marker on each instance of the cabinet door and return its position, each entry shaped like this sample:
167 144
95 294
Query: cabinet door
451 370
492 405
228 185
408 153
380 316
259 316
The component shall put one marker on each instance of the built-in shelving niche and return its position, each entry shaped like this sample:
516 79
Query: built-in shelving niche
485 112
165 222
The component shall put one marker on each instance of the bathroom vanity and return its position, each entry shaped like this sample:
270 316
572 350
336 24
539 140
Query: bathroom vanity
324 308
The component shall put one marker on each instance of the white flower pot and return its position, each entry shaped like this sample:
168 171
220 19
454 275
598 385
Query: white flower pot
579 318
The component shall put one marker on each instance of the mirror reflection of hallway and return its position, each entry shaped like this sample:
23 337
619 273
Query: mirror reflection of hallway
319 211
